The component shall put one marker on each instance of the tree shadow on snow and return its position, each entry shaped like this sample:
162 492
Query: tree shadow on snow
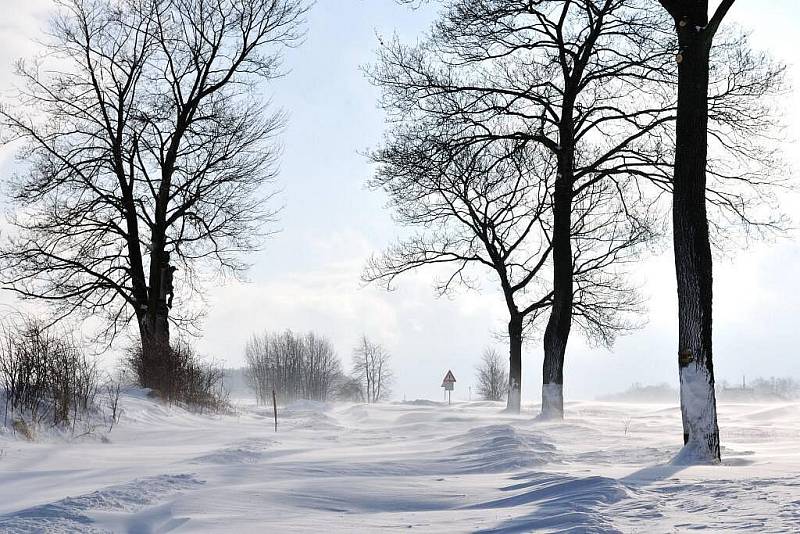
653 473
569 504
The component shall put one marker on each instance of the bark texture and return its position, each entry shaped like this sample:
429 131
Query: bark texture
556 334
692 248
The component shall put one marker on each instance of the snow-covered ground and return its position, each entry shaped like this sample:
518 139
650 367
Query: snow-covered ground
418 466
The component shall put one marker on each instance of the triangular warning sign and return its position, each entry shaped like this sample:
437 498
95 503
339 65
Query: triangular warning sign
449 377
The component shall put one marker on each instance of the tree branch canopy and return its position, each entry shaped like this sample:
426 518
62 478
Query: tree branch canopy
142 136
581 86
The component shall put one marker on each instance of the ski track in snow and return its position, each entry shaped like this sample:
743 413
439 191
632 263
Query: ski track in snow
419 466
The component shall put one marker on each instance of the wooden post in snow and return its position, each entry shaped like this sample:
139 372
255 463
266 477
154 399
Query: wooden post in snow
275 409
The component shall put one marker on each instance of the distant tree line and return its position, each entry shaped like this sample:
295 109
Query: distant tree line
759 389
773 388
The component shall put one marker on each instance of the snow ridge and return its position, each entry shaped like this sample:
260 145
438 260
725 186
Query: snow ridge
74 514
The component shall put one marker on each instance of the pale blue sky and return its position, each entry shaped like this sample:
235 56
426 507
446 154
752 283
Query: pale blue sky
307 277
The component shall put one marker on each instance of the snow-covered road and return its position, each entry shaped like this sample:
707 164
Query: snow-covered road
418 466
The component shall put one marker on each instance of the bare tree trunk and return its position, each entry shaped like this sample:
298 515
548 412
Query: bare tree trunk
693 261
154 325
155 344
513 404
556 334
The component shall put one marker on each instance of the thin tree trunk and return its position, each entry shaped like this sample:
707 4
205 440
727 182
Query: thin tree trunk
514 402
693 261
557 332
367 372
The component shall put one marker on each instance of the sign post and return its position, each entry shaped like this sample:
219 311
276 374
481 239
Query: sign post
447 384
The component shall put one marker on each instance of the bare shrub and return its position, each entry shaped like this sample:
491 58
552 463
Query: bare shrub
295 366
492 376
112 391
349 389
21 427
45 375
177 374
626 425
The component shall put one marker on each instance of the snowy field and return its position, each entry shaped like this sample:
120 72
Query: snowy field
419 466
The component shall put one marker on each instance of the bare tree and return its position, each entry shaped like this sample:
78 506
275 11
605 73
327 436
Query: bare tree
483 207
260 363
321 367
371 368
492 376
563 79
145 149
591 84
729 107
489 207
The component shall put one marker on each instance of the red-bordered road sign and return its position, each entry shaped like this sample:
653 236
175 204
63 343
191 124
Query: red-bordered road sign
449 380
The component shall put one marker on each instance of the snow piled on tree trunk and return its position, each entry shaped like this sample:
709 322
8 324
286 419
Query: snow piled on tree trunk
698 406
552 401
514 397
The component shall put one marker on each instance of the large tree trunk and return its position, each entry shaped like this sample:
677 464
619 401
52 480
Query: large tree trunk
514 402
155 339
154 324
556 334
153 369
693 262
